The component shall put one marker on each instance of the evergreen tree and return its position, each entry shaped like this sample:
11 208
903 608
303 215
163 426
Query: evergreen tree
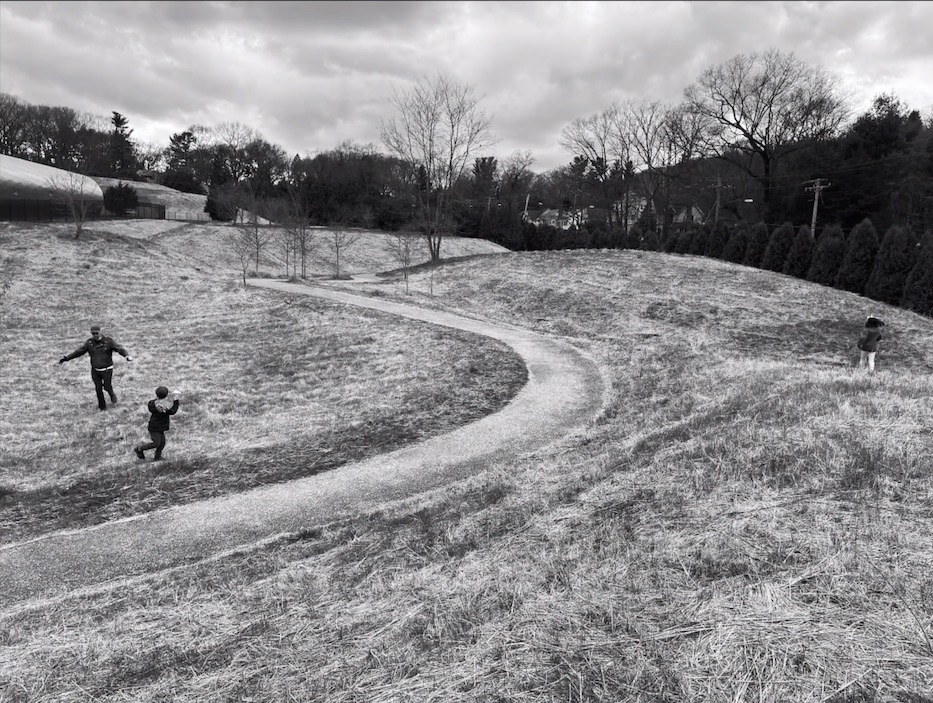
859 258
683 240
827 256
718 237
918 288
651 241
698 241
120 198
800 255
895 259
782 239
122 152
757 243
737 245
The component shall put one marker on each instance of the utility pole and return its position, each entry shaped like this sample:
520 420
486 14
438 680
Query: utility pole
817 188
718 188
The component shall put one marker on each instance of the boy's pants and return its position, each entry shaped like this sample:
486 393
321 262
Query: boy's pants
157 443
868 359
103 381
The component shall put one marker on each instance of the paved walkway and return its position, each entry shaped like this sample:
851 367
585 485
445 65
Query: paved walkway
565 391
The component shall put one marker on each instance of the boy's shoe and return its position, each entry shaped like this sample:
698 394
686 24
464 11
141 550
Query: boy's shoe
157 458
139 453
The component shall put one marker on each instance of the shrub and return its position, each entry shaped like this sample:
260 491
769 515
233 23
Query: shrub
718 238
737 245
120 198
183 181
918 288
778 248
859 258
895 259
800 255
827 256
757 243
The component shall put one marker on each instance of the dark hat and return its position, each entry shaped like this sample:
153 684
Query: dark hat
162 391
95 328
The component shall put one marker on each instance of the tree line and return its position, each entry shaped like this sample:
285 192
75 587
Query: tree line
760 138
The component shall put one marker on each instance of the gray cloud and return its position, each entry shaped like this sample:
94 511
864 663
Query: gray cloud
309 76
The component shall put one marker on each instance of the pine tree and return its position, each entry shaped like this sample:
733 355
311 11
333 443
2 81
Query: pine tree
737 245
778 247
698 241
918 288
684 240
827 256
651 241
717 239
757 243
800 255
895 259
859 258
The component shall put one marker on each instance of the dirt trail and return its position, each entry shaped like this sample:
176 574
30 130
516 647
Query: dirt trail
564 392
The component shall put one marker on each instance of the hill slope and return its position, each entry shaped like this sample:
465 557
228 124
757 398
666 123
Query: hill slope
749 520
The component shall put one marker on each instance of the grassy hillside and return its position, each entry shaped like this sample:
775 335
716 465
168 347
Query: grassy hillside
749 520
272 388
172 199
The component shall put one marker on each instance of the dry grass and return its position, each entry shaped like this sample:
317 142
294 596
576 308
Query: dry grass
750 520
272 388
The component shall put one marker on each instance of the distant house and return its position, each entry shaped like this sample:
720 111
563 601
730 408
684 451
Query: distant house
688 213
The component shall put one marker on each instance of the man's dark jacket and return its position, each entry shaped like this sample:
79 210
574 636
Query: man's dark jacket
159 422
101 351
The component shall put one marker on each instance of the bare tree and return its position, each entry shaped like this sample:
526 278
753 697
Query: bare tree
79 194
338 240
438 130
602 140
405 246
762 107
14 122
259 234
238 239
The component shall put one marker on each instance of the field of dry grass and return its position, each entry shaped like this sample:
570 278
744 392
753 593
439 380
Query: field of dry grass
272 388
749 520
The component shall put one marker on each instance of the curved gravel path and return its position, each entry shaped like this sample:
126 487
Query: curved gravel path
564 392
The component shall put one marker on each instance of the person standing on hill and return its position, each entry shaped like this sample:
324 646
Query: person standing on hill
100 349
868 343
161 409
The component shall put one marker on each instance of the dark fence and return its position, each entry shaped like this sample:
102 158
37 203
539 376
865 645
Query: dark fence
52 211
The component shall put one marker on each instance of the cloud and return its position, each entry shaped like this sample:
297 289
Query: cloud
309 76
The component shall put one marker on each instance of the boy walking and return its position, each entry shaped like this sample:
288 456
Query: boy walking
161 408
868 343
100 349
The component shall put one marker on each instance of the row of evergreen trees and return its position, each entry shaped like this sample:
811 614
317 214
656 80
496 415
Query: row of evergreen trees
896 268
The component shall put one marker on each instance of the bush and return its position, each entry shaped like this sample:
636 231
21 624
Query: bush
859 258
183 181
121 198
918 288
800 255
757 243
718 238
778 248
737 245
827 256
895 259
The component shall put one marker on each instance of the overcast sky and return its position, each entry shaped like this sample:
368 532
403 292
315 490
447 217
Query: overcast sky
310 75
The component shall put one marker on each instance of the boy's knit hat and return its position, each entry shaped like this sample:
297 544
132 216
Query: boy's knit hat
161 391
95 328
